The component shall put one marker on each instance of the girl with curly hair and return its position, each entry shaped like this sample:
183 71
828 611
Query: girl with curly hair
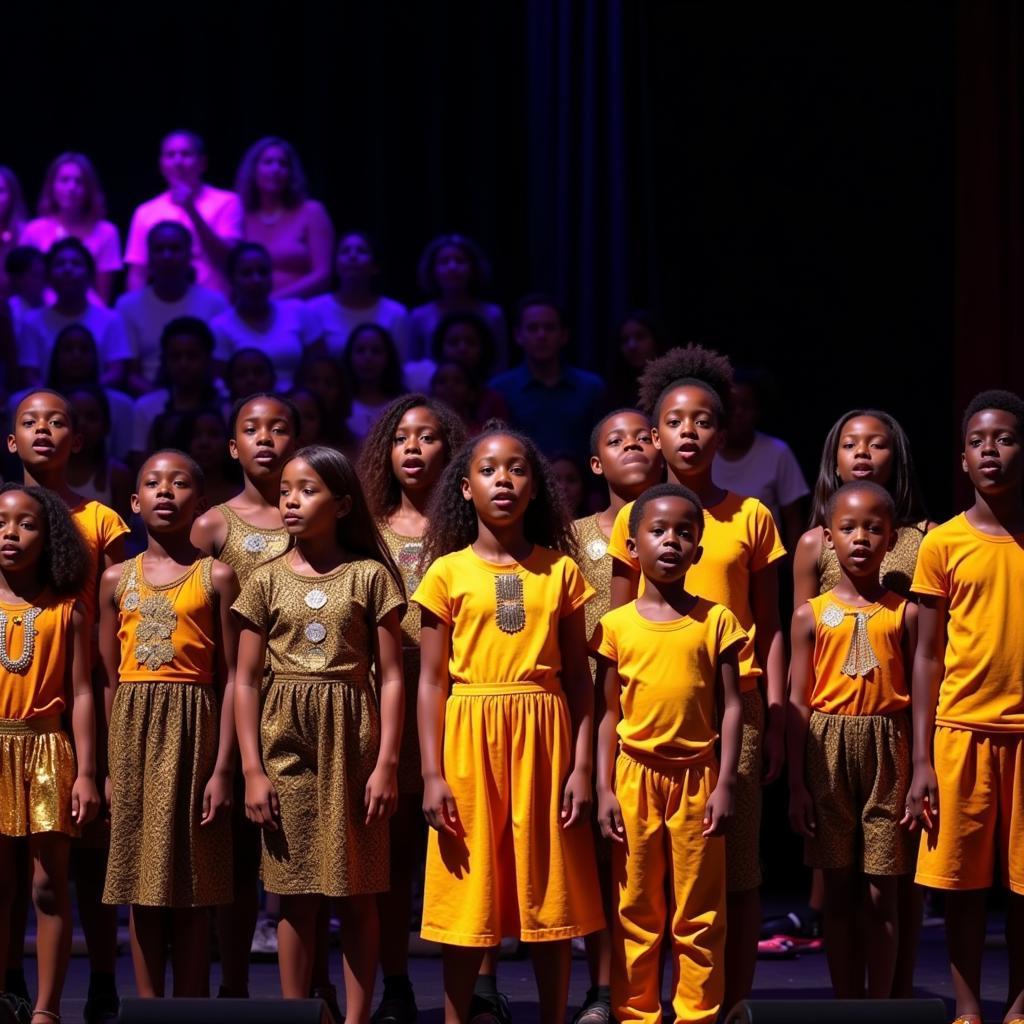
687 394
402 461
507 747
47 788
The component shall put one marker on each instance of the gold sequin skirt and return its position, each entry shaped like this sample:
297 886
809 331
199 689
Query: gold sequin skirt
742 840
410 771
320 743
37 773
163 748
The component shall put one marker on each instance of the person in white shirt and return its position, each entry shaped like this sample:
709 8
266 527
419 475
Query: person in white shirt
283 328
170 294
69 273
212 215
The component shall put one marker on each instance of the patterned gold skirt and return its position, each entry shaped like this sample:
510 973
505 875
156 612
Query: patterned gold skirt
163 748
320 744
37 773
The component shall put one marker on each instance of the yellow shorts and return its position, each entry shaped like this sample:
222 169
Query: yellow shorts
981 811
743 840
513 869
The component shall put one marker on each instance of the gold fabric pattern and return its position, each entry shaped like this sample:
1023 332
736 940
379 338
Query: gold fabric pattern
510 611
897 571
742 840
37 771
247 546
596 566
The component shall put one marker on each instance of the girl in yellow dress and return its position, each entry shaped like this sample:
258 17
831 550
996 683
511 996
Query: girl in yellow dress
507 746
321 761
402 460
168 643
44 675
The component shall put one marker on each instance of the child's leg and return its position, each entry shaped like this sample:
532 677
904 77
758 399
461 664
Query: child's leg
551 963
9 887
236 921
909 914
965 940
14 959
395 905
360 947
50 855
1015 950
321 976
190 951
844 943
296 938
461 966
881 935
148 931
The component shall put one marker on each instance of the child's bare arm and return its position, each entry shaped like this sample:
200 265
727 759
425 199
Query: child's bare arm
438 802
261 804
929 657
727 684
625 583
579 692
381 795
805 566
209 532
801 673
771 653
85 798
609 686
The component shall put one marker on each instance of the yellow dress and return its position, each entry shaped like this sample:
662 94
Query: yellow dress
164 736
512 869
320 726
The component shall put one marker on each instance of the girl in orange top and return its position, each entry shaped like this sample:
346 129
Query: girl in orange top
849 741
402 461
168 646
507 755
42 795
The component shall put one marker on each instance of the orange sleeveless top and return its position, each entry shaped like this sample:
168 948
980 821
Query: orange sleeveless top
35 686
858 656
168 632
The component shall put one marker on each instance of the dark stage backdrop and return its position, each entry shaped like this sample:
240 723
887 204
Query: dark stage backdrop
776 183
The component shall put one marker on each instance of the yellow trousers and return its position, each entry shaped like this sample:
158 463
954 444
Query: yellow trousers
663 815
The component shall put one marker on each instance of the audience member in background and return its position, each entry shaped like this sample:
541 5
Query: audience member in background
71 205
213 217
466 339
454 272
319 426
355 301
323 377
373 374
278 213
204 436
453 385
70 272
186 346
283 328
171 293
249 372
92 473
12 219
758 465
636 341
555 403
24 276
570 478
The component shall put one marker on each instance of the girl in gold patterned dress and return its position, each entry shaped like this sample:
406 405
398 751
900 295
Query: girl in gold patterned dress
44 673
321 761
168 644
245 532
402 460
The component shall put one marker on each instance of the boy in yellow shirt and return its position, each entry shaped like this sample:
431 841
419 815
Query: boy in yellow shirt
667 661
968 698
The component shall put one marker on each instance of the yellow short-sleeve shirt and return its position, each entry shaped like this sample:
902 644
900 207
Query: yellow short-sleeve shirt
980 577
99 527
740 538
464 591
668 672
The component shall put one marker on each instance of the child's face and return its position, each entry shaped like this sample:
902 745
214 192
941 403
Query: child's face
76 356
636 343
992 452
540 333
92 423
253 279
452 269
167 498
500 482
309 411
452 386
745 412
43 437
22 531
187 361
570 480
626 455
308 508
324 380
354 258
418 452
273 170
861 533
250 372
667 540
264 438
688 433
69 188
32 284
865 451
369 357
69 274
169 254
461 344
209 440
180 162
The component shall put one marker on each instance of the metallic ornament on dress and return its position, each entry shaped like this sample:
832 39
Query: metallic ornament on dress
597 549
316 659
255 543
510 612
408 563
153 645
316 632
315 599
861 657
832 616
28 645
131 600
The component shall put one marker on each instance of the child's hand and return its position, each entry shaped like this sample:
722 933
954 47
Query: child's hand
718 811
85 800
774 751
609 817
381 797
801 812
439 806
261 804
577 797
216 798
922 810
108 794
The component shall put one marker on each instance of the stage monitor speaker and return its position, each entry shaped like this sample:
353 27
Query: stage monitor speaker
223 1011
839 1011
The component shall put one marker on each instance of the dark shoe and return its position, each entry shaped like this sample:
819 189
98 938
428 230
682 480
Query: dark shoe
593 1011
396 1007
484 1010
803 925
329 995
15 984
14 1009
101 1007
